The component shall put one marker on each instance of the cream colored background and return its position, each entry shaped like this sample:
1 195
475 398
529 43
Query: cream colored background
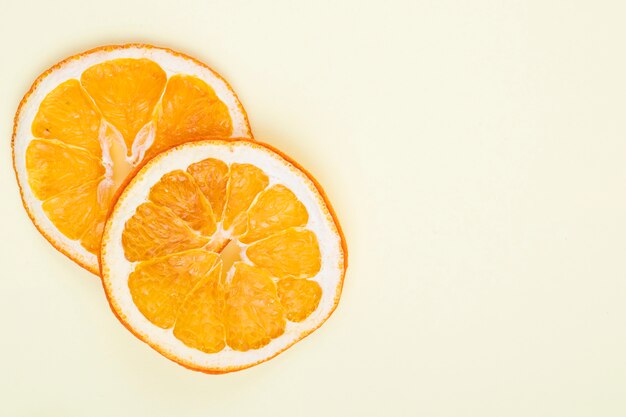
475 153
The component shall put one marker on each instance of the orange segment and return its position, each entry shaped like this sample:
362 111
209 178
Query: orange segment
126 91
276 209
156 231
211 175
90 240
293 252
299 297
189 109
253 315
54 167
159 286
199 321
178 191
68 114
246 181
73 210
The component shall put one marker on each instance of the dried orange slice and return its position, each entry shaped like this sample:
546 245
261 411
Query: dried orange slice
222 254
91 119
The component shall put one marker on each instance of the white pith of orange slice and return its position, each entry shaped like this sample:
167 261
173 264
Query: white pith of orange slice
161 254
88 121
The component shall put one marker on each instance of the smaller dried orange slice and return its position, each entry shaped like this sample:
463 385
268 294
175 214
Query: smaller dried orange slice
220 255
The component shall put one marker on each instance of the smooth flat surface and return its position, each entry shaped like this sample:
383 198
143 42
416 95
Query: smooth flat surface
475 153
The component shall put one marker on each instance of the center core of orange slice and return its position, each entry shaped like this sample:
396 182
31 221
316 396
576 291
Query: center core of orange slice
231 254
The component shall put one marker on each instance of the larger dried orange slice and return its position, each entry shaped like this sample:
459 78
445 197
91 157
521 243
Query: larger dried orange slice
220 255
89 120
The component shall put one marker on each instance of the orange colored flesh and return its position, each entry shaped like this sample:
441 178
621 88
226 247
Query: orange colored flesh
189 108
208 313
68 115
293 252
125 94
262 218
75 209
212 177
179 192
159 286
245 182
126 91
253 314
199 323
69 180
227 368
55 167
156 231
300 297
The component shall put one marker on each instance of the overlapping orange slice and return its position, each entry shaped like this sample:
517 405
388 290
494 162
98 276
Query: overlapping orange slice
220 255
88 121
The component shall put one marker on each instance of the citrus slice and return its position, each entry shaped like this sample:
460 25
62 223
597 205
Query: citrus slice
222 254
91 119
